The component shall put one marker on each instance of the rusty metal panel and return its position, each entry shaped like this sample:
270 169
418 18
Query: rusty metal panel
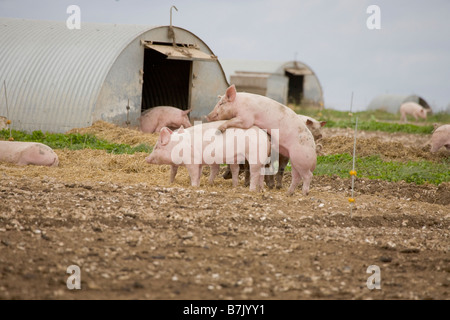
181 52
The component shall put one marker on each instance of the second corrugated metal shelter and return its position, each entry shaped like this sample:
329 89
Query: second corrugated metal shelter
58 79
392 102
289 82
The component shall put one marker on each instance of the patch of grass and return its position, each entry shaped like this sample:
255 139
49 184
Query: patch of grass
73 141
369 116
381 126
373 167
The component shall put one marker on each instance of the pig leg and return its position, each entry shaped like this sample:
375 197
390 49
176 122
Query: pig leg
214 171
403 116
283 161
234 168
269 181
195 172
246 168
301 168
255 176
173 173
236 123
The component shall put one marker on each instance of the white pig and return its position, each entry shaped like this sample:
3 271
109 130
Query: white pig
201 145
413 109
440 138
24 153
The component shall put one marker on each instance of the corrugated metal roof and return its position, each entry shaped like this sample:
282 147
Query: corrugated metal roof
53 73
392 102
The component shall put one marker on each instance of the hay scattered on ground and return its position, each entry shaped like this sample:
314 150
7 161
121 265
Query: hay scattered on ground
113 133
92 166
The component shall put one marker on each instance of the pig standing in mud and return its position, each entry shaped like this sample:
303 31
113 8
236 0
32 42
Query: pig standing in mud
24 153
413 109
295 141
156 118
201 146
440 138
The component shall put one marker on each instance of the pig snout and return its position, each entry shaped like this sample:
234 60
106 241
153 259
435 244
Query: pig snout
212 116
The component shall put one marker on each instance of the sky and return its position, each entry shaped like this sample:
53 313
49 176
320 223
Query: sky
410 54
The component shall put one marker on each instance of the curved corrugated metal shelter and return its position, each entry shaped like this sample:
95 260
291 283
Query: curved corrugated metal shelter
391 103
58 79
288 82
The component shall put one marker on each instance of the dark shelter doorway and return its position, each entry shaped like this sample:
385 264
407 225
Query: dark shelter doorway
166 81
295 88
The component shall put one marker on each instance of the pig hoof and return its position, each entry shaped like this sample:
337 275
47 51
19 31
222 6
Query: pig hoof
218 132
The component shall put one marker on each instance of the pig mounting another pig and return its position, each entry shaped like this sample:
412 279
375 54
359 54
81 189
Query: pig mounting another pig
440 137
295 141
413 109
24 153
200 145
154 119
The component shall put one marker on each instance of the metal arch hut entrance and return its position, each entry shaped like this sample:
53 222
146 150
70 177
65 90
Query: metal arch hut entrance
167 78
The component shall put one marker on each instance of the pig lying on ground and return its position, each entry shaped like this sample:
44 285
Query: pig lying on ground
212 150
3 123
413 109
156 118
316 130
440 138
24 153
295 141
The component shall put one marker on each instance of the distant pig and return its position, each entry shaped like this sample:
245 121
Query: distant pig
413 109
200 145
440 138
24 153
295 141
154 119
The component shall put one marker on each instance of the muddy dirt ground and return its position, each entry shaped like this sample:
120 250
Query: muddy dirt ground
135 236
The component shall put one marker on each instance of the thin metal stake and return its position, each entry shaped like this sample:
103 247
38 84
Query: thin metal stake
351 103
7 109
354 161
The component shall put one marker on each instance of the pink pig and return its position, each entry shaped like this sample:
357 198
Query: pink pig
414 109
200 145
154 119
24 153
295 141
440 138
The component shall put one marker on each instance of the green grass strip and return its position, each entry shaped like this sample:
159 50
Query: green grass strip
74 141
373 167
381 126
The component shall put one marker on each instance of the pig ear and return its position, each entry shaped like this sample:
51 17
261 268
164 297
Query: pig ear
309 122
323 123
181 130
187 111
231 93
164 135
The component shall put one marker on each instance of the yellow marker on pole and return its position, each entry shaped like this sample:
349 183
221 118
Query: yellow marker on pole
353 172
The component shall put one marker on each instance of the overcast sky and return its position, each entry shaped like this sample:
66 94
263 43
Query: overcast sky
410 54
